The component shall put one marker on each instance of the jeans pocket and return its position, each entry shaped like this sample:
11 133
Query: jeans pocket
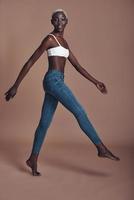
50 83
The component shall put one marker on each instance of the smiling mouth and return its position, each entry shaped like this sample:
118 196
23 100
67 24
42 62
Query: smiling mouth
59 28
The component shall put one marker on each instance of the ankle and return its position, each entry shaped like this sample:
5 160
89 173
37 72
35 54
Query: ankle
101 147
34 157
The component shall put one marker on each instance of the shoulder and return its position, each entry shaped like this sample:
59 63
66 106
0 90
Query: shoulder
47 41
66 43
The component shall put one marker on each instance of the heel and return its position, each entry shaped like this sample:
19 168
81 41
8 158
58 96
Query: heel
33 168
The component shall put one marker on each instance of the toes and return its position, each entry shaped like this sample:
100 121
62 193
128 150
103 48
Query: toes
35 173
117 158
108 155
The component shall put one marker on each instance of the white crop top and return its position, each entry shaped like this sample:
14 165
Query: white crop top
58 51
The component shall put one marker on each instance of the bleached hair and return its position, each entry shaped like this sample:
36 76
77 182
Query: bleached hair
60 10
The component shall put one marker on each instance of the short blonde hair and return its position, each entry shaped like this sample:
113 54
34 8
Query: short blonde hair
60 10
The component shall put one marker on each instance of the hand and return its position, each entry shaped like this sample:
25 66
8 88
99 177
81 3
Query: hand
10 93
101 87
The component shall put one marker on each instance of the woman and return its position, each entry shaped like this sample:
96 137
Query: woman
57 91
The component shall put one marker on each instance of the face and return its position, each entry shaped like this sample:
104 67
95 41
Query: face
59 21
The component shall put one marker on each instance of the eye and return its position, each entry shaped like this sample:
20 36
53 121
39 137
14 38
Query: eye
54 18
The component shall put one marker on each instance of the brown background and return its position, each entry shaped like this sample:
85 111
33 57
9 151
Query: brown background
100 34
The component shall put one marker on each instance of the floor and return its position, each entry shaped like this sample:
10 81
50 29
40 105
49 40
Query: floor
70 170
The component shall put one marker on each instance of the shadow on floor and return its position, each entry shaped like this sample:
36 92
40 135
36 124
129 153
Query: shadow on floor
13 153
77 168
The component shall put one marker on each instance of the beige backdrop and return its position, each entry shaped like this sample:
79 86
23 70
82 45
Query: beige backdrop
100 34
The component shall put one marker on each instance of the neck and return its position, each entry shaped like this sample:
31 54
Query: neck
60 34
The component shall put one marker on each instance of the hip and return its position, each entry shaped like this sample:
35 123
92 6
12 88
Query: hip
52 78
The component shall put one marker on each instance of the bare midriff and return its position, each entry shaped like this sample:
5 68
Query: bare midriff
57 62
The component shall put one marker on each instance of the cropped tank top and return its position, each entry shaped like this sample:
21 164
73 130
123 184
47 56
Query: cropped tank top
58 51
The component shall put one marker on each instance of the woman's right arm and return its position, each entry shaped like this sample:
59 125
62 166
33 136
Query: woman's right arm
39 51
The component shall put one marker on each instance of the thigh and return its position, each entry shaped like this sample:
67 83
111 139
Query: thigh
66 97
49 106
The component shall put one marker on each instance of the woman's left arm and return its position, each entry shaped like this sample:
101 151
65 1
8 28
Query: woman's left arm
72 59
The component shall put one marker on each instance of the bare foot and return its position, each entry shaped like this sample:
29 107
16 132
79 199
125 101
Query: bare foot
33 166
109 155
105 153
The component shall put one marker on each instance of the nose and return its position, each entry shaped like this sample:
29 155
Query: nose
59 22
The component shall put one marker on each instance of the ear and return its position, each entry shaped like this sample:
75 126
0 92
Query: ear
66 21
52 21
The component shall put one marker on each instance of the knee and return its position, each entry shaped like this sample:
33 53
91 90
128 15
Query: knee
80 112
44 124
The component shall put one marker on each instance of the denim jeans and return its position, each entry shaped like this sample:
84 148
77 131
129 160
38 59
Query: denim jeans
57 91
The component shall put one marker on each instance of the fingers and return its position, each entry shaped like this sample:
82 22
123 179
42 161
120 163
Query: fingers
13 95
10 94
102 88
7 98
106 90
5 93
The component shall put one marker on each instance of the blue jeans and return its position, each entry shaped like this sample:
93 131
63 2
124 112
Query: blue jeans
57 91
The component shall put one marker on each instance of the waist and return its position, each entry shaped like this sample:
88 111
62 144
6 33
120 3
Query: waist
54 73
